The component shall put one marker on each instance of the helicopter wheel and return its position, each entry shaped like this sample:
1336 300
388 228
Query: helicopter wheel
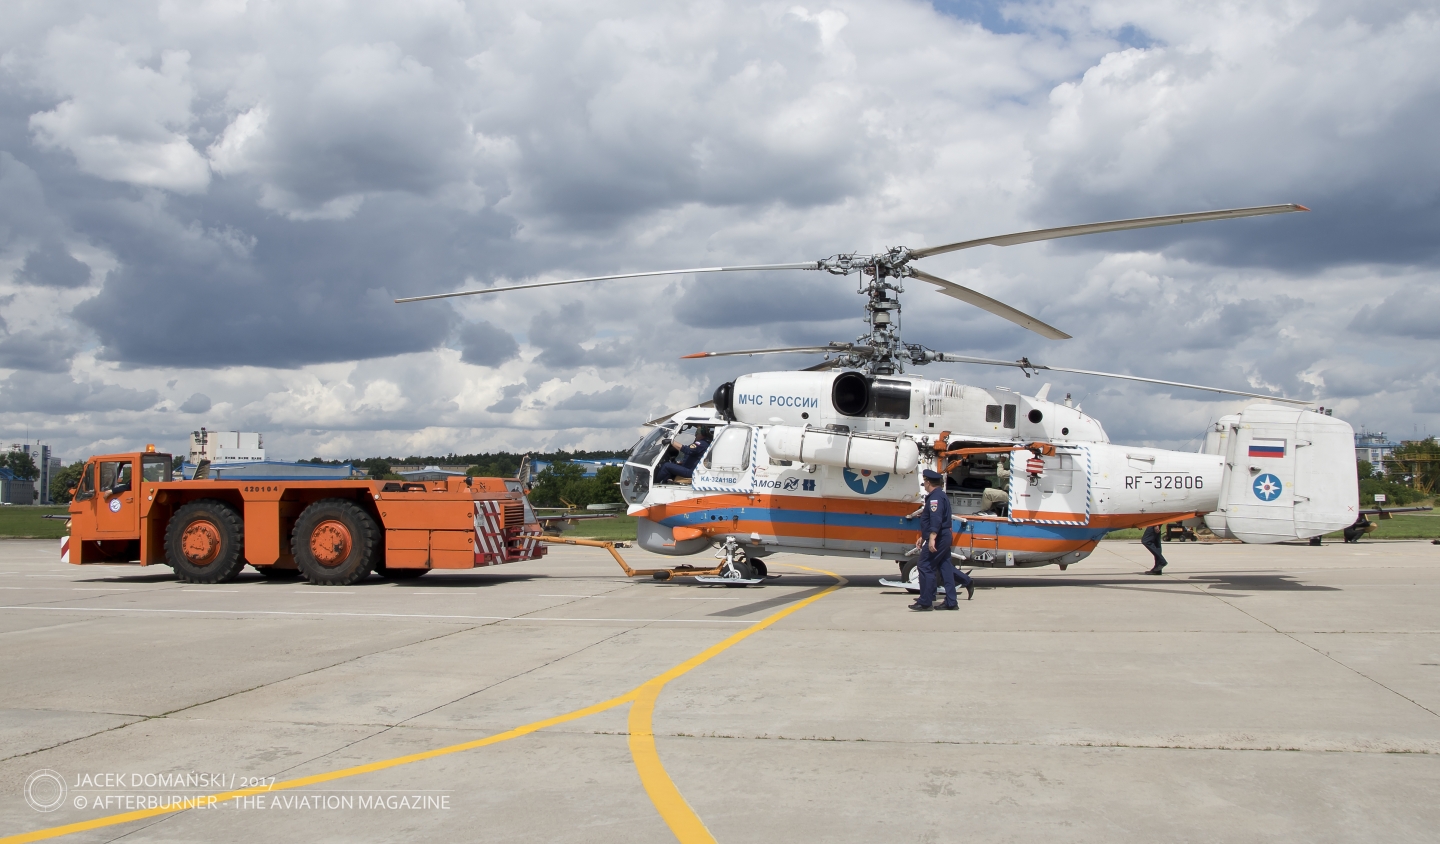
906 569
759 567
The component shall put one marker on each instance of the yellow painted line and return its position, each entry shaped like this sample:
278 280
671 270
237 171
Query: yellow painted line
670 803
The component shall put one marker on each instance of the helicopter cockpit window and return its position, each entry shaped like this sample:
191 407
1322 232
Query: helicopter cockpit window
731 451
653 443
890 399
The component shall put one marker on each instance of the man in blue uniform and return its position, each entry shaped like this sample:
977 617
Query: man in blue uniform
683 466
1151 540
934 545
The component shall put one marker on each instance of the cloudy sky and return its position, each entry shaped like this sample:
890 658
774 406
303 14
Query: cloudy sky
207 208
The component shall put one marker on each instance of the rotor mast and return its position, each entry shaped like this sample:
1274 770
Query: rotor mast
882 280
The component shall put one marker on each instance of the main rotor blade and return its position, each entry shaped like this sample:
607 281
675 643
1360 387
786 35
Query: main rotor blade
1025 364
833 348
809 265
994 306
1112 226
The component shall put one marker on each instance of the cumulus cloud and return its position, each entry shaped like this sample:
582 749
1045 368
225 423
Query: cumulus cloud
52 265
28 391
124 114
224 199
197 403
36 351
485 345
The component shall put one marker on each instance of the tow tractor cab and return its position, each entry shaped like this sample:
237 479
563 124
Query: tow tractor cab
129 508
829 463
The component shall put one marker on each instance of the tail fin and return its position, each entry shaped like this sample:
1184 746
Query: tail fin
1289 474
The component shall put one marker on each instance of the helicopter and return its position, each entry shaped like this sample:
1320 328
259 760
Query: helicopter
827 459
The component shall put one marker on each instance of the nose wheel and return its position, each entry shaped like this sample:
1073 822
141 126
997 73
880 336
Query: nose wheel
738 569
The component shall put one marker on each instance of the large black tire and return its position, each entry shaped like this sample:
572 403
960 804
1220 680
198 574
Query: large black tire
335 543
906 567
398 574
205 542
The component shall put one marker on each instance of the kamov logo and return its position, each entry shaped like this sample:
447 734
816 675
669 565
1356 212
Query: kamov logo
792 484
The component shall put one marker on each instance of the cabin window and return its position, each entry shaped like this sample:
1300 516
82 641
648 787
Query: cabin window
85 490
1009 416
1059 474
155 469
731 451
890 399
992 413
115 476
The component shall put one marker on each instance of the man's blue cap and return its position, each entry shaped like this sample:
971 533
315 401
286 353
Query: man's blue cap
933 476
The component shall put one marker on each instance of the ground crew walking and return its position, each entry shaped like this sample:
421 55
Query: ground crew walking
1151 540
934 545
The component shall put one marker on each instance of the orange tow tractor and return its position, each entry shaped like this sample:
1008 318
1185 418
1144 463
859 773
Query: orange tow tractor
332 532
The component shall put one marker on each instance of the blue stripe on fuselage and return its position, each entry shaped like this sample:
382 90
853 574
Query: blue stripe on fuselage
877 522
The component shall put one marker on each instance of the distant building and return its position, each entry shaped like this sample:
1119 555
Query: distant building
1373 448
13 490
589 467
429 473
403 468
47 466
54 464
226 447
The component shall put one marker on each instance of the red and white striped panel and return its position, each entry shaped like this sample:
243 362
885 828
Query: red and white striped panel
489 533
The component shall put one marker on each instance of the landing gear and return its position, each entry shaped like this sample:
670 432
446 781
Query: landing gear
737 570
909 577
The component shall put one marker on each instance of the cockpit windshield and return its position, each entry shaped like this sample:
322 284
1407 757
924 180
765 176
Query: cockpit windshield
650 447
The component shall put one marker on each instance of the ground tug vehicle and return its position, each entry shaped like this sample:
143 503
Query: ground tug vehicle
333 532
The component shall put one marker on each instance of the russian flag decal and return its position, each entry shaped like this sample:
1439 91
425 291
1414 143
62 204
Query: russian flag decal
1267 448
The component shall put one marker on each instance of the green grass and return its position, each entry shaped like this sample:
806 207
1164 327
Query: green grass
1403 526
618 529
22 520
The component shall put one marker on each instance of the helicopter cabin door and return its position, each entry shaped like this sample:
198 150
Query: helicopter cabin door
1058 493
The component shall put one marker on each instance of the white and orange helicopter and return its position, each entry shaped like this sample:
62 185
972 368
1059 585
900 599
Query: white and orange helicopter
827 460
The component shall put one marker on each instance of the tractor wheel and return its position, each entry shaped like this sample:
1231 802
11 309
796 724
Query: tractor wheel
205 542
335 543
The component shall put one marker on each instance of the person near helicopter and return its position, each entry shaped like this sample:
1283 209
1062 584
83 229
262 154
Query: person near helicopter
934 544
995 500
1151 540
686 459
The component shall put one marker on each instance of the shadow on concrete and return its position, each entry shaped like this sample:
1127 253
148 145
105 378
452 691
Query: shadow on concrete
1138 582
159 577
770 603
1258 583
461 579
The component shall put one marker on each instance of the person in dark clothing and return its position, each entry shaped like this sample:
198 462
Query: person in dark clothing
1151 541
683 466
934 545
